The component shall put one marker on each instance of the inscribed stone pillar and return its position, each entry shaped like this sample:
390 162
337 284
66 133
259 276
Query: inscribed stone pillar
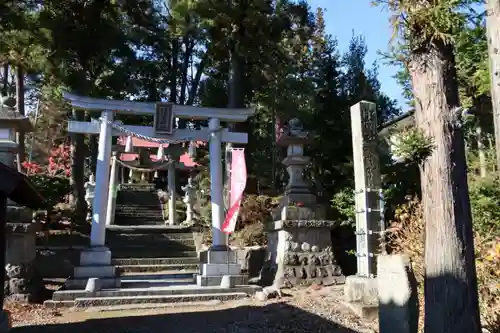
367 178
360 290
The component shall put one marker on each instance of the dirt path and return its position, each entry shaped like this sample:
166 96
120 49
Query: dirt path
305 311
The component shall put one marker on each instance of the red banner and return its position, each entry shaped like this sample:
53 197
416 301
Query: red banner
237 186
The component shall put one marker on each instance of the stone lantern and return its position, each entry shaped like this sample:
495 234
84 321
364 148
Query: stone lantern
299 237
20 229
11 122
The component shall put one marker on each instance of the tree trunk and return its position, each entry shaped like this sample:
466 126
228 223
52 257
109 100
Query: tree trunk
493 34
78 150
173 74
451 299
20 108
5 79
193 91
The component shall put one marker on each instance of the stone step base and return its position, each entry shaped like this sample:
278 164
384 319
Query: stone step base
151 253
134 221
147 237
212 281
142 251
155 268
81 283
155 261
141 229
182 244
159 275
197 295
153 283
175 290
110 301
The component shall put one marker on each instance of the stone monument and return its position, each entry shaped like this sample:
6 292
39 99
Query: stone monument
361 289
22 282
299 238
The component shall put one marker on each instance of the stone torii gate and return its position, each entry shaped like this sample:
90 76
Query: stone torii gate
96 261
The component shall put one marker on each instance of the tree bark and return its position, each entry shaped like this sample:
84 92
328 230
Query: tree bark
493 34
5 79
173 74
21 109
451 299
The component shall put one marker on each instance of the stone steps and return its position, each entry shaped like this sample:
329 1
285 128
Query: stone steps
156 268
151 250
68 295
129 221
159 275
149 229
139 282
167 243
195 296
151 253
155 261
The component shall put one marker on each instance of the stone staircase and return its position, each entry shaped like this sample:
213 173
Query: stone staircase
138 204
154 263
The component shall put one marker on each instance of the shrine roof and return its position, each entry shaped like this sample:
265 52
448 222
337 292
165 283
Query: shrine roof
17 187
136 142
398 123
14 119
184 158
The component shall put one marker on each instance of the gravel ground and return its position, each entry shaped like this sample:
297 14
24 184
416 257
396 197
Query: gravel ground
308 310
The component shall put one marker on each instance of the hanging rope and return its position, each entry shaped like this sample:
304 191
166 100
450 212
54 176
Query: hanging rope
148 138
160 167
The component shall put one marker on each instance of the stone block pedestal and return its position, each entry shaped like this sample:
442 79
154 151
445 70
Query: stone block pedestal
300 253
361 289
217 265
397 295
95 262
22 282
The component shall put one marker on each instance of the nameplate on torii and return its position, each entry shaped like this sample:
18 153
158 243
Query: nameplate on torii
164 119
202 134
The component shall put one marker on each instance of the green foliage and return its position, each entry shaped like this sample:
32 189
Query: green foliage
410 145
425 23
344 206
485 202
54 189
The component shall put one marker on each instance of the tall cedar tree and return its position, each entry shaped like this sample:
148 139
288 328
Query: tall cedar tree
451 299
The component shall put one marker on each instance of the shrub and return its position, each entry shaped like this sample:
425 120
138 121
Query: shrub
406 236
53 188
485 203
343 206
254 213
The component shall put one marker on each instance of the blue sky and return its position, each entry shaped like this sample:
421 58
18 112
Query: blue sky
345 17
